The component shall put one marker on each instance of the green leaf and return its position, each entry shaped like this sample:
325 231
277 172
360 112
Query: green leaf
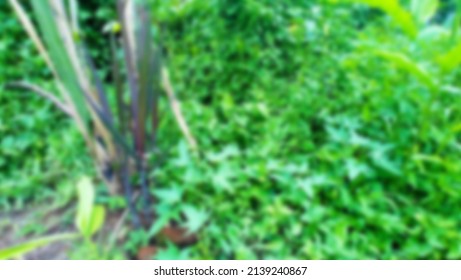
195 218
433 34
85 203
405 63
395 10
59 55
452 59
381 159
172 252
355 169
159 224
89 218
424 10
24 248
97 219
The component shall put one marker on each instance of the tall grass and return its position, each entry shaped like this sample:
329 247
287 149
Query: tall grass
119 126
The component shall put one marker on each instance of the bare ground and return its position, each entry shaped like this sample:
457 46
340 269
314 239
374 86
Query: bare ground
21 226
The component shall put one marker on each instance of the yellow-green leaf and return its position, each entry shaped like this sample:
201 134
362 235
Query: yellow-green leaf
424 10
85 205
24 248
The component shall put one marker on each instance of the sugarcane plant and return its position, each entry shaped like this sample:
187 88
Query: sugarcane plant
119 125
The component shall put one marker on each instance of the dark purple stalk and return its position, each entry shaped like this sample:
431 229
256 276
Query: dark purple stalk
117 78
129 195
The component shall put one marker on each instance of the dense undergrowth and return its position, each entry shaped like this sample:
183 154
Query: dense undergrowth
327 130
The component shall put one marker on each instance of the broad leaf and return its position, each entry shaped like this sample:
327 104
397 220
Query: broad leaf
452 59
424 10
195 218
395 10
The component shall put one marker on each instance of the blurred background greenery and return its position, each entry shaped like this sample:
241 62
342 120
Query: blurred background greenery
330 129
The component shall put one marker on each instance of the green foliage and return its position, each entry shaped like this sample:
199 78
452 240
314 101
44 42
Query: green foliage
333 144
325 132
34 137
